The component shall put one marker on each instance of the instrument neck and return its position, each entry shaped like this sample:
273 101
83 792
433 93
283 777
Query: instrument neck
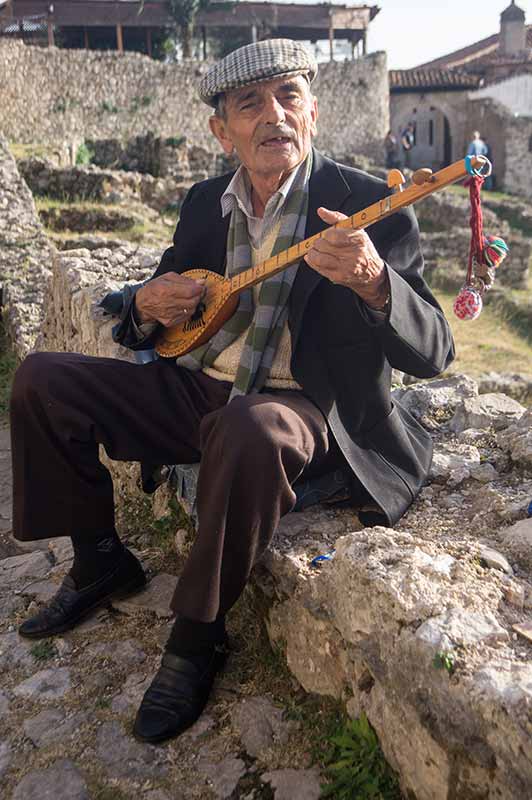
362 219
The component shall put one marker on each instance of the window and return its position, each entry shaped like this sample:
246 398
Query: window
431 132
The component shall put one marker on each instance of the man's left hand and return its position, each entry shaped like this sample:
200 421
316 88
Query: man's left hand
349 258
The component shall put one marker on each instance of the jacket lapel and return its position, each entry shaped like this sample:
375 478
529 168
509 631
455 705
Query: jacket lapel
327 188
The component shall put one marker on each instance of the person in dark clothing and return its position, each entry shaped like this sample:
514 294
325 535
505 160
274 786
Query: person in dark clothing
295 384
391 151
408 140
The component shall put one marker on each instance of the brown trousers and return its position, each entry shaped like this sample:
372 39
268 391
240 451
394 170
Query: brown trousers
252 450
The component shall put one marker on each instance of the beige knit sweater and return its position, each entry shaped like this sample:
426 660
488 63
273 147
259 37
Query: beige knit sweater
225 366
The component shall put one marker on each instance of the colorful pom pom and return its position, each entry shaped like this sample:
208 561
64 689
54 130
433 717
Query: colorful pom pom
468 304
494 250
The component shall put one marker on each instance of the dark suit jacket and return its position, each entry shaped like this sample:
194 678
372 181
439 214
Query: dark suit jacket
341 356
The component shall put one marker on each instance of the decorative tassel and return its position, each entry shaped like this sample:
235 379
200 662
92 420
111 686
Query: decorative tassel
494 251
485 255
468 304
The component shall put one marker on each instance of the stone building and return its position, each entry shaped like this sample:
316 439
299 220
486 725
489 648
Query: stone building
485 86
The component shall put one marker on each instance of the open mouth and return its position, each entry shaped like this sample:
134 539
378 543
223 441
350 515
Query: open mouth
276 141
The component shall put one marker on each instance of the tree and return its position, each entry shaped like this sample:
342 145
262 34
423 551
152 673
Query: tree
184 13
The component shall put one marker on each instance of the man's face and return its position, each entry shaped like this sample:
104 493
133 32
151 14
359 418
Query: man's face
269 124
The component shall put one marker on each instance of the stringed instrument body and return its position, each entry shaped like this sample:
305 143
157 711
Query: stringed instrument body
221 295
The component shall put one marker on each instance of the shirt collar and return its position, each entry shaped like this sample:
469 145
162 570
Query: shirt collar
239 192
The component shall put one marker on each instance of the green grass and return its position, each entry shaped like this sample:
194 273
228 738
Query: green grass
43 650
486 344
8 365
356 767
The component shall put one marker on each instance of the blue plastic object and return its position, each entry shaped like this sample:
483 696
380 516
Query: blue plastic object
326 557
529 509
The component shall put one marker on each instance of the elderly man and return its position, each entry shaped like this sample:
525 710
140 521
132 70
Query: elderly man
297 383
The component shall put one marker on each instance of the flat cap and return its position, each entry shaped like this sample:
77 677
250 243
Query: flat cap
260 61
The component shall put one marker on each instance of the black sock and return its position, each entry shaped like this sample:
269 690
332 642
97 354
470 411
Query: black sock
94 556
190 639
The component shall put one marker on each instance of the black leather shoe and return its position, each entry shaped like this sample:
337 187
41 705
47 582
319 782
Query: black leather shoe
70 605
177 695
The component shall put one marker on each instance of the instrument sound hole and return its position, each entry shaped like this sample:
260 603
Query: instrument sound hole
196 320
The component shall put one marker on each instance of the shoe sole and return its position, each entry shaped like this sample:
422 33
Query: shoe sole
130 588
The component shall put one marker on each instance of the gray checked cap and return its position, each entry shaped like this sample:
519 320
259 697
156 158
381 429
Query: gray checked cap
260 61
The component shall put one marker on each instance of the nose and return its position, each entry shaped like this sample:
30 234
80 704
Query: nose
274 112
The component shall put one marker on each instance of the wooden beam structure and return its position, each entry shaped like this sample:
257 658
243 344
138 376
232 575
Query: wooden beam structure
303 21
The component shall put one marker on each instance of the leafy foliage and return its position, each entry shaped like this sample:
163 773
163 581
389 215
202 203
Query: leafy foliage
444 661
84 155
183 12
356 766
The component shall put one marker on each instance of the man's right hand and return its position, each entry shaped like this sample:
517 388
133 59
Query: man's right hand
169 299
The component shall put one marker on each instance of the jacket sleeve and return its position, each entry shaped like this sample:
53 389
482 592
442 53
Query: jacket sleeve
127 331
415 336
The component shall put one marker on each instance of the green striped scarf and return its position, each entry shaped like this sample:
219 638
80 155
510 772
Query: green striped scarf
265 322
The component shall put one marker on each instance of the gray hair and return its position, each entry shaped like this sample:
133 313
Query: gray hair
220 109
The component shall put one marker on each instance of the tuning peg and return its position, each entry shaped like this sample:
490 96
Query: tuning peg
396 180
422 176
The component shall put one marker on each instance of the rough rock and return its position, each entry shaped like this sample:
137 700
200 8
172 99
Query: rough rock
514 385
450 630
484 473
223 776
372 622
123 757
15 652
61 781
436 398
127 652
485 411
259 724
519 534
41 591
492 558
47 684
156 597
22 569
294 784
53 726
5 757
517 440
132 693
4 704
454 462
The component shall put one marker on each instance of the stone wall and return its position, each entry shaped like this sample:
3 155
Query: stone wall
510 137
25 256
55 95
519 156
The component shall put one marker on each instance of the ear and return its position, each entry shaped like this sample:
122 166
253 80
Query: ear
314 116
218 128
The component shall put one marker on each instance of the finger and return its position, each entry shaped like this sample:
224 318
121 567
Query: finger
348 250
188 293
326 269
330 217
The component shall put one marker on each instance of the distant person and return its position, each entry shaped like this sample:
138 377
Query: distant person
408 140
477 146
489 182
391 149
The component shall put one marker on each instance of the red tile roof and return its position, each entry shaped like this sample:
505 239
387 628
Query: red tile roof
438 79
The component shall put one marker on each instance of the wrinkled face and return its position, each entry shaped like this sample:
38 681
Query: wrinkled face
269 124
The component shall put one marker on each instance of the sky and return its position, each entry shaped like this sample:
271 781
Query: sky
414 31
